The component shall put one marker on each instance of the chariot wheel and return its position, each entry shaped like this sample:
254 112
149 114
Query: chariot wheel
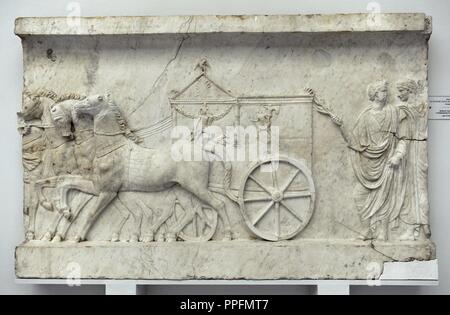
276 198
201 227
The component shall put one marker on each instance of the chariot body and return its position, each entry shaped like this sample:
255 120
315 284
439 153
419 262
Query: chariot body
272 186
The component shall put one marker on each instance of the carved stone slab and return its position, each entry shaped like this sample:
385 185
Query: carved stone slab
224 147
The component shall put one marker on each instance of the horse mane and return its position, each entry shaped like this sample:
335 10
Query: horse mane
123 124
43 93
70 96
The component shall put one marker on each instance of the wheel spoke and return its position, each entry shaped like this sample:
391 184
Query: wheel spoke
291 211
257 181
301 194
277 219
289 182
255 199
195 226
274 176
263 213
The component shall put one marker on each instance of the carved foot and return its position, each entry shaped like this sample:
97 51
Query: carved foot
408 236
57 239
365 235
426 231
29 236
47 237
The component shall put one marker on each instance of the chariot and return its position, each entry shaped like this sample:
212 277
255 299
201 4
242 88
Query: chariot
275 192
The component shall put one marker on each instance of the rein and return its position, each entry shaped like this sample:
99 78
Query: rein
109 133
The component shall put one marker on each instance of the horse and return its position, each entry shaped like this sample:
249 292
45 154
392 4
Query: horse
83 130
84 151
56 153
121 165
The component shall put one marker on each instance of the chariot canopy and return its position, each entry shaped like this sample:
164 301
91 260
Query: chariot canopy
202 99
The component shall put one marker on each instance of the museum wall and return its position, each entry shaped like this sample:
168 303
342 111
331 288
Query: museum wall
11 233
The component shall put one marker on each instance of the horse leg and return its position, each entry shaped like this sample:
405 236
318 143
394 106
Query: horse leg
40 186
148 214
165 215
51 233
52 229
33 205
136 214
68 183
63 228
125 215
209 199
174 230
103 200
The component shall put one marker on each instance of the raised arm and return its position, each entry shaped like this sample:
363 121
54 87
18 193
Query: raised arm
322 108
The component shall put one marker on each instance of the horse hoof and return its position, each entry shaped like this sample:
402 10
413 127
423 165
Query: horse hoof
134 238
160 238
115 238
227 237
148 238
77 239
47 205
57 239
170 237
65 211
47 237
29 236
67 214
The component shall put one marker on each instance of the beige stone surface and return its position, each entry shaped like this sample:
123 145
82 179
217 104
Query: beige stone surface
344 96
302 259
406 22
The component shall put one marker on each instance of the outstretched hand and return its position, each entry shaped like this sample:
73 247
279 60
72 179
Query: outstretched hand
394 162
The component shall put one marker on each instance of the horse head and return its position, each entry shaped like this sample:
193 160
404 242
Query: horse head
34 104
107 116
61 114
91 105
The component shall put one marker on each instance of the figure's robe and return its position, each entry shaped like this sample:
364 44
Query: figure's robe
416 207
374 140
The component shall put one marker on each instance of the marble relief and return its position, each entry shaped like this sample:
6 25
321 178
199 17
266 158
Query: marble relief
239 143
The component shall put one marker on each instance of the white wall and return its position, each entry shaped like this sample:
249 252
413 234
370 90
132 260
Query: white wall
10 96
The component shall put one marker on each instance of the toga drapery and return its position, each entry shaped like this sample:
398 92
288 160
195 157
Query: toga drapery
374 140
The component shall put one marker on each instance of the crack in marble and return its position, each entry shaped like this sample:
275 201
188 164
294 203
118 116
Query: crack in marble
166 67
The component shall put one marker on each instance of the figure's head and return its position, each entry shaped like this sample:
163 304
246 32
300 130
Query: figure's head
406 89
62 117
91 105
378 92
